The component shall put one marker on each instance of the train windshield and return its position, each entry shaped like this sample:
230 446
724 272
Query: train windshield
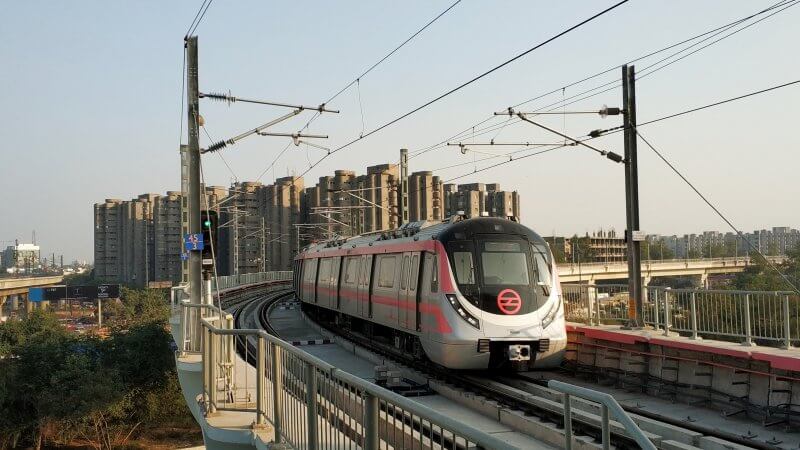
501 276
504 263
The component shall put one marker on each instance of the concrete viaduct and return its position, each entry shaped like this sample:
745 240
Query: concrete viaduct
702 268
16 289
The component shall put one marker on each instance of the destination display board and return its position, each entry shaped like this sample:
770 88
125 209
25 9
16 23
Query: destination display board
55 293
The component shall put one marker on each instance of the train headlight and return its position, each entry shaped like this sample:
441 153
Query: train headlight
551 315
472 320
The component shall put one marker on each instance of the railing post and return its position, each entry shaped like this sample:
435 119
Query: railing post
748 333
371 416
212 372
204 365
311 406
260 381
787 326
655 310
567 422
277 390
597 305
694 314
666 313
606 428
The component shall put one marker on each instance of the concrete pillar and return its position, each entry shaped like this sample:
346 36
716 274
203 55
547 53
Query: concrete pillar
3 300
28 304
44 305
646 282
14 302
704 281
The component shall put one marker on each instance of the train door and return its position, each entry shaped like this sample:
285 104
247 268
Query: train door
409 298
364 277
309 280
334 296
324 282
428 289
402 293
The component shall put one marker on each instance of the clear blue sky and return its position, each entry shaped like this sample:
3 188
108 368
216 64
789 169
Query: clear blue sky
90 103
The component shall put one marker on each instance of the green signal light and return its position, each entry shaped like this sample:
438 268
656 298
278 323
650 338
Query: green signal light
207 223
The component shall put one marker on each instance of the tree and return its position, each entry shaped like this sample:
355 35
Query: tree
761 276
139 306
582 250
656 250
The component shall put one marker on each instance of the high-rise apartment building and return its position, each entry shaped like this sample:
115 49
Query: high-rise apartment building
280 209
478 199
167 240
108 249
425 193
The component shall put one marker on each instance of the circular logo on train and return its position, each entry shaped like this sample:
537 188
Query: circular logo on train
509 301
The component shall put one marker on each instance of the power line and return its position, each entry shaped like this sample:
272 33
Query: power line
712 32
467 83
363 74
716 210
198 17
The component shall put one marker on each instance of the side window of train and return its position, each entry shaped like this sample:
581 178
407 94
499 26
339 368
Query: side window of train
434 274
351 270
386 270
414 272
404 273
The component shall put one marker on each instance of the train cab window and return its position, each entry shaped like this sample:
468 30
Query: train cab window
386 270
404 274
542 269
434 275
465 268
504 263
414 272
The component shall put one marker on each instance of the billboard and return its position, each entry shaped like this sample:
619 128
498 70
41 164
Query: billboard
54 293
107 291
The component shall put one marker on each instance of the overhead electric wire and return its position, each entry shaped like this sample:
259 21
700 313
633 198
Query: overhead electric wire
713 32
220 154
620 128
467 83
363 74
717 211
201 13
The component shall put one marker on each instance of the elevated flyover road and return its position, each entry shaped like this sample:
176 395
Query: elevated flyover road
591 272
12 286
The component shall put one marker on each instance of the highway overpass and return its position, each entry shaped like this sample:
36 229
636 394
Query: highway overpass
702 268
16 289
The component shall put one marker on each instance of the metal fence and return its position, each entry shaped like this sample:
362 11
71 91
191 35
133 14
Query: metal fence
310 403
768 318
608 408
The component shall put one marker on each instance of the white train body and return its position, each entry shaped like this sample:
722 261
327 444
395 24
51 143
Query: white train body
471 293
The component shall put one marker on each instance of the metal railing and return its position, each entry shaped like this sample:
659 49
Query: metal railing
608 407
770 318
310 403
313 405
230 281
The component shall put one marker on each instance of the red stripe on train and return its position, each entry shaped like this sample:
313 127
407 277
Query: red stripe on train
425 308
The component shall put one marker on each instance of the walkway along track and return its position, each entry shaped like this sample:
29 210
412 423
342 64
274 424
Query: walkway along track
510 391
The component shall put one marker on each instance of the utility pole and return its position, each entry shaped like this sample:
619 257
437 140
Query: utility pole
263 248
193 114
635 307
403 186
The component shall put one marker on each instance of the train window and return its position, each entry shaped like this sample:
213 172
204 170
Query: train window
325 271
465 269
404 273
434 275
386 269
542 269
414 272
351 269
504 263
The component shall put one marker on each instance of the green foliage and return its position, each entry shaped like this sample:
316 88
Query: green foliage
656 250
139 306
59 388
581 248
761 276
81 279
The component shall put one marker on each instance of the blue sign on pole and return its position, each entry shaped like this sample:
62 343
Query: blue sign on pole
35 294
193 242
184 256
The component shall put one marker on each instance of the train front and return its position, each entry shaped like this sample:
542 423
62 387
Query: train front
505 278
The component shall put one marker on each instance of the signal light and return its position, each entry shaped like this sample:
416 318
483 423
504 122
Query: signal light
209 221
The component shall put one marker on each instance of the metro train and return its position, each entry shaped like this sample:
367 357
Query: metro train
480 293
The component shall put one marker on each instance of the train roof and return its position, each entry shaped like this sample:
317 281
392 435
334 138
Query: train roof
456 227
